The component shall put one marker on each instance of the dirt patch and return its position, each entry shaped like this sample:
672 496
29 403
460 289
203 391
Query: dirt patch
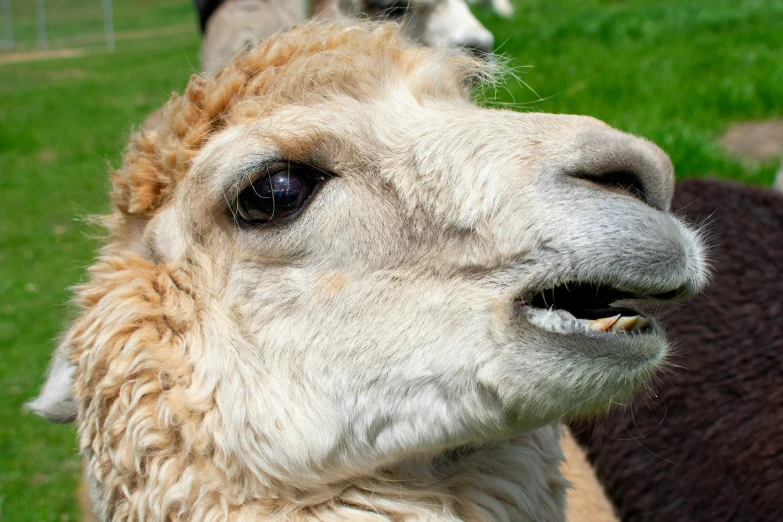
68 49
47 155
170 30
119 36
41 55
755 140
67 74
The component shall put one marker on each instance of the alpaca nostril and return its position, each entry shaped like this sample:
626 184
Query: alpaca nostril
624 181
623 164
478 47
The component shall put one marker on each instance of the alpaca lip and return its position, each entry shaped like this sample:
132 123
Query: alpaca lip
586 308
561 321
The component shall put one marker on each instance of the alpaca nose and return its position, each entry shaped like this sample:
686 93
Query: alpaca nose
612 160
478 43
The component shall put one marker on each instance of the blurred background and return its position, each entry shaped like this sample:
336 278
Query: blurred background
702 79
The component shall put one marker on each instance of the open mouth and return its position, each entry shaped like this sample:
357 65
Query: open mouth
588 308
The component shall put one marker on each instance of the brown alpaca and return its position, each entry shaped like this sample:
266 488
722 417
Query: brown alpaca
329 293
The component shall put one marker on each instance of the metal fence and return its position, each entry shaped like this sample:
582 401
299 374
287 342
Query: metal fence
10 35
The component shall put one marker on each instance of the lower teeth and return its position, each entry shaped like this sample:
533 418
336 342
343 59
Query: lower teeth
619 323
562 321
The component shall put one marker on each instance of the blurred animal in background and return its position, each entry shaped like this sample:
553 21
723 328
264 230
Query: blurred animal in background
205 8
326 293
232 25
436 23
707 446
240 24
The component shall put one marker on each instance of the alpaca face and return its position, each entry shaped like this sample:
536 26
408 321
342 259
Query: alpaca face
371 271
449 23
397 301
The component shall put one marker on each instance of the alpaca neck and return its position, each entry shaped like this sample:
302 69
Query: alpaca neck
516 480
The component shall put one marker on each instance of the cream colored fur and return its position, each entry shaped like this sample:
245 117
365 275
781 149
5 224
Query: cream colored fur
586 500
366 360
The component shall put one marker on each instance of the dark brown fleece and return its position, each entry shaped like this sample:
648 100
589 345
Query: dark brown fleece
709 446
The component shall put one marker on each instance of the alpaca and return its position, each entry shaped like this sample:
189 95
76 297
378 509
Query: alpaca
435 23
240 24
334 288
234 25
710 441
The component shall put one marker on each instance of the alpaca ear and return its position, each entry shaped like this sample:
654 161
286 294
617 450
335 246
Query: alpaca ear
56 402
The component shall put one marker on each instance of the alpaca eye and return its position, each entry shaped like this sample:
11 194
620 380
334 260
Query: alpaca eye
277 195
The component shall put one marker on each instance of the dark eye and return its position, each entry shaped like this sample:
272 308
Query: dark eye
278 194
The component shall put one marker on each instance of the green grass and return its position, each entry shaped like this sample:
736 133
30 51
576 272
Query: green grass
61 124
677 72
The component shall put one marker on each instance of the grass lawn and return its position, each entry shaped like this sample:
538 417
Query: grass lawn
675 71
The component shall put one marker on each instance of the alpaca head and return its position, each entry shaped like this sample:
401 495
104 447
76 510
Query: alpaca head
327 259
436 23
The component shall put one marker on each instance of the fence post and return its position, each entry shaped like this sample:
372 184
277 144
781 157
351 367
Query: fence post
41 12
108 24
9 24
